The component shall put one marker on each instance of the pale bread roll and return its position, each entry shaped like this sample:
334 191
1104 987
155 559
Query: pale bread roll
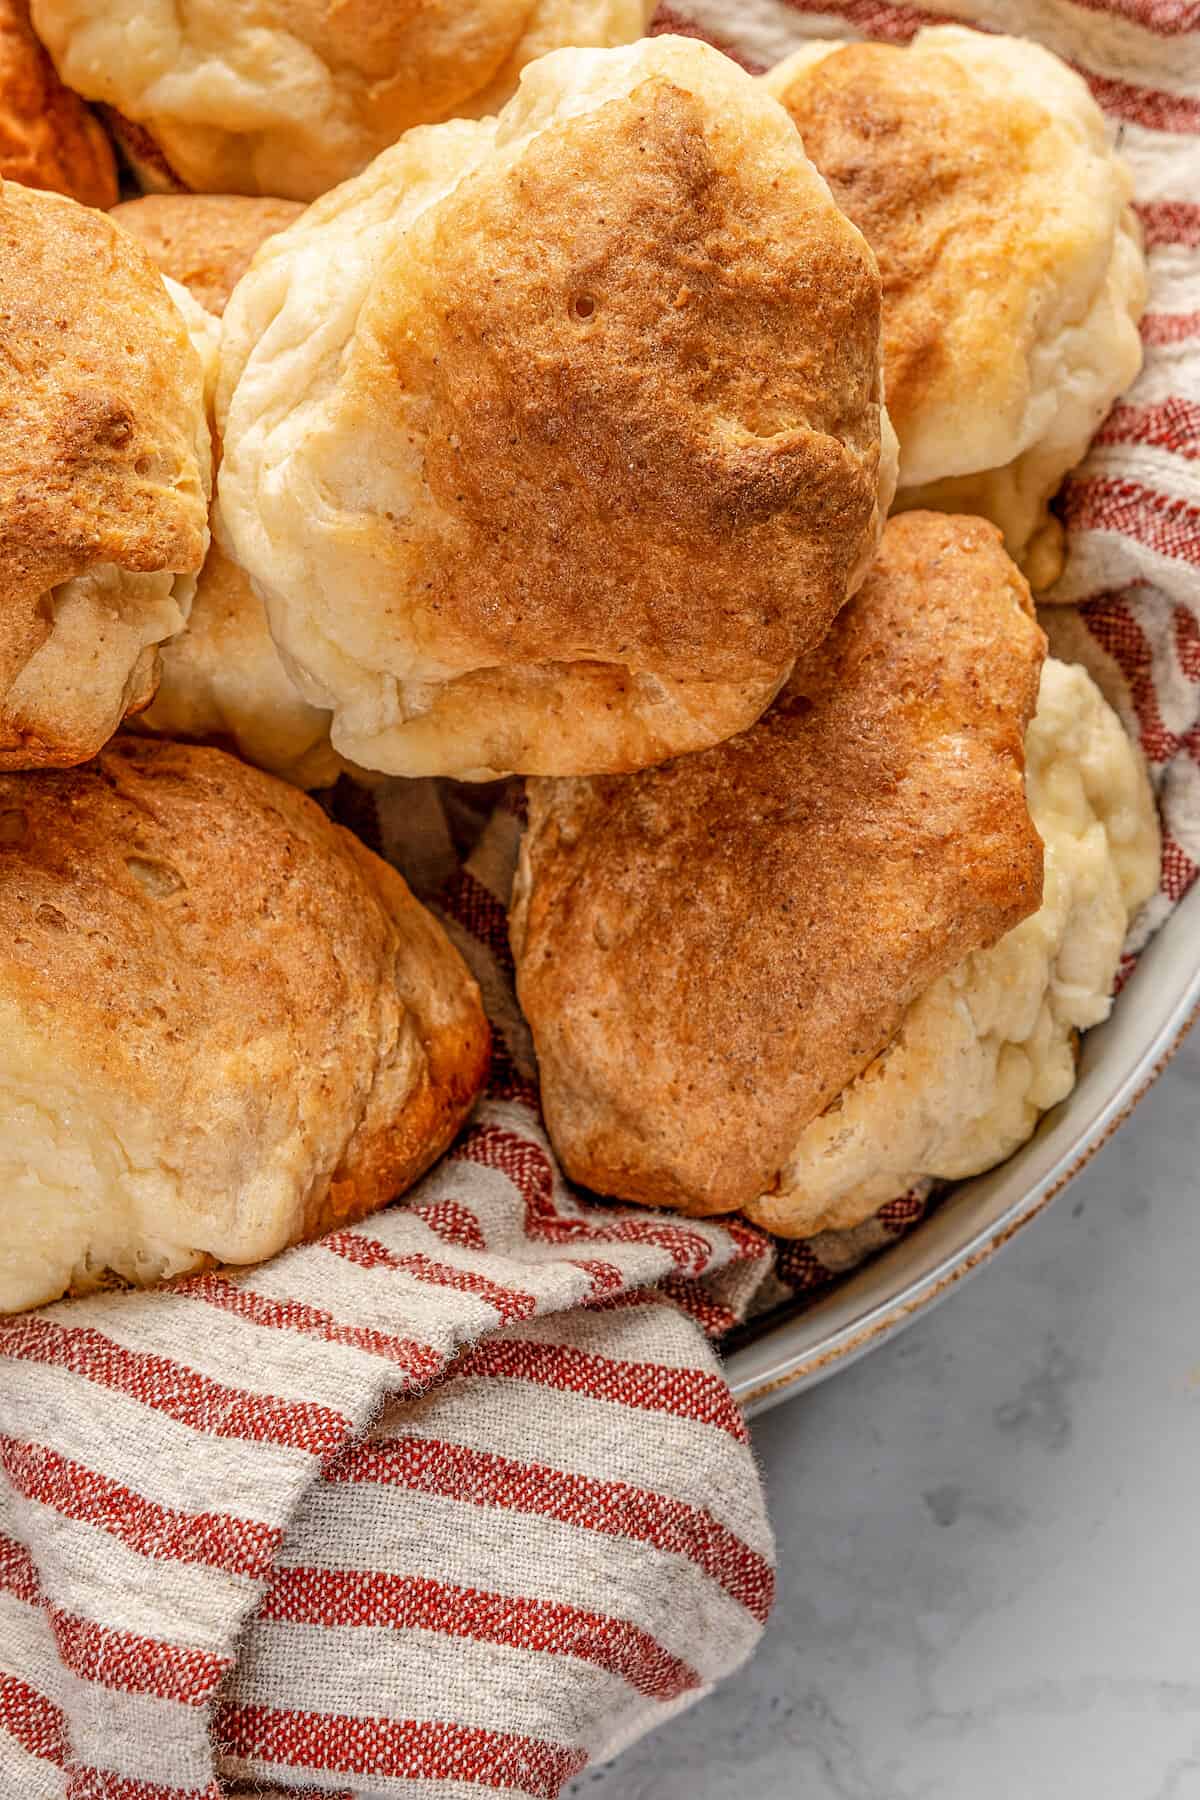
815 968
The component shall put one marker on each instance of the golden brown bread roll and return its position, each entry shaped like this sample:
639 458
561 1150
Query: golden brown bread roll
204 241
292 96
48 137
709 952
105 466
979 169
552 440
225 1025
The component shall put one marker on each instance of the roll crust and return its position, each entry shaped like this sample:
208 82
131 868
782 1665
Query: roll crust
104 476
48 137
565 390
227 1025
707 953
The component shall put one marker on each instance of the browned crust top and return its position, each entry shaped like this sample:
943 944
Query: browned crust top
650 362
98 460
710 951
48 137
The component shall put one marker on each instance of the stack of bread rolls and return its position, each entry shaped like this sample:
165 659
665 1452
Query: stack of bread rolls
551 442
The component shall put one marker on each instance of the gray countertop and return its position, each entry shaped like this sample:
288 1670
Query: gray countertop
988 1529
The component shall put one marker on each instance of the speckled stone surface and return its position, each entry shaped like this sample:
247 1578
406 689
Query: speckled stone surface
989 1530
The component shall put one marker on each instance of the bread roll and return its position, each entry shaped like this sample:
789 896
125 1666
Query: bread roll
48 137
225 1025
292 96
979 169
105 474
709 953
552 440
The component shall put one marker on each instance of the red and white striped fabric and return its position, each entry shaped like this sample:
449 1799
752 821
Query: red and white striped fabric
457 1496
456 1501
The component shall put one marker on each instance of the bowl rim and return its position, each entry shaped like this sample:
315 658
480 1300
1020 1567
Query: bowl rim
1120 1061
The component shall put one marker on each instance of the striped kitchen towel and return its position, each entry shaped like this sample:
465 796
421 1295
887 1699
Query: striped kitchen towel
456 1501
458 1495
